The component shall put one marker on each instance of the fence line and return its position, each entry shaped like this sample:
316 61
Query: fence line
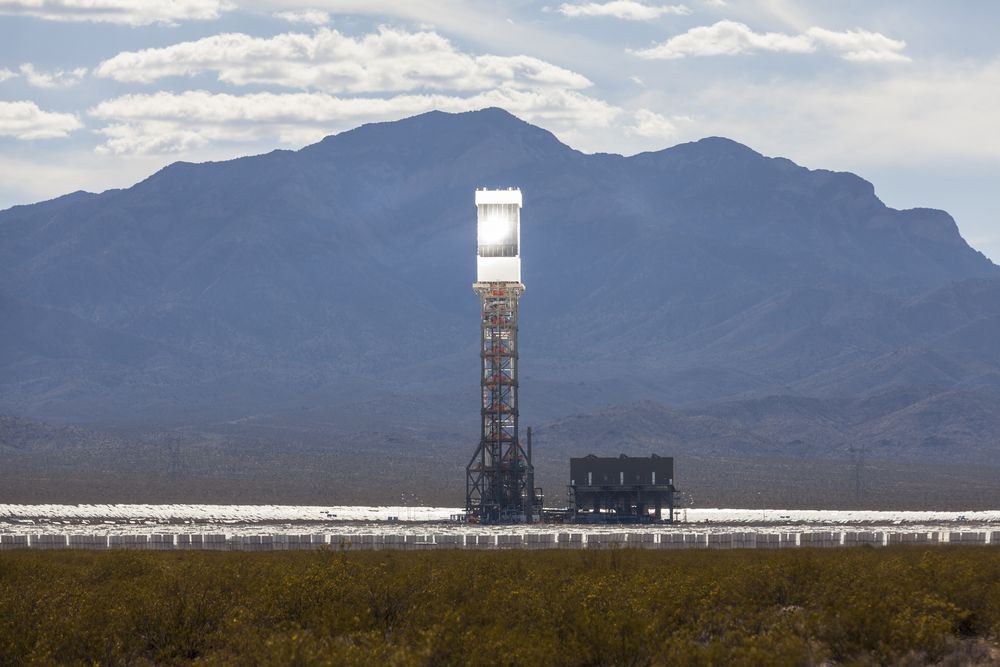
562 540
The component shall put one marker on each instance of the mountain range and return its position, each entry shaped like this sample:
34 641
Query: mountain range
699 298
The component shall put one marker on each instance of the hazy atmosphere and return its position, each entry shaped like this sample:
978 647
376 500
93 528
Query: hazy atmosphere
752 231
597 332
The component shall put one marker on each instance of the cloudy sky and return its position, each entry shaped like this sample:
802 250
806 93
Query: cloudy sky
97 94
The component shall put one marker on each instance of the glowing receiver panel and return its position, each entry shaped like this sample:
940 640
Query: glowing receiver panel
498 235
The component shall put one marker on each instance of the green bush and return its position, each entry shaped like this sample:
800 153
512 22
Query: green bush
905 605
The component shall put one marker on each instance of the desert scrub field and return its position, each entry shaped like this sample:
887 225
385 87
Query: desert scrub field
857 606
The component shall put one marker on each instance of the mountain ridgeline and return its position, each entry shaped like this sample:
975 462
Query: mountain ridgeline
331 285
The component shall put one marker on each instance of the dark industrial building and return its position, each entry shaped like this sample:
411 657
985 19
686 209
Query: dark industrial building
622 489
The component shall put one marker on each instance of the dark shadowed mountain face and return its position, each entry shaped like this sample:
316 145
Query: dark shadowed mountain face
335 281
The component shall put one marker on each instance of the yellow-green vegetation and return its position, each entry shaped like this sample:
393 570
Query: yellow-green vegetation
797 607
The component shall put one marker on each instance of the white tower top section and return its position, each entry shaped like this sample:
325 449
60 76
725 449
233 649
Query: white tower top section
498 236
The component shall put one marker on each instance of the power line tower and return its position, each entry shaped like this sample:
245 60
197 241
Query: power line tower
858 466
175 464
499 478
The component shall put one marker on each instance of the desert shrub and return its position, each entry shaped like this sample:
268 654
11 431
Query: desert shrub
905 605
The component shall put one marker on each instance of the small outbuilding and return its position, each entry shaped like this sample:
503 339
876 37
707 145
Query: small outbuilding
622 489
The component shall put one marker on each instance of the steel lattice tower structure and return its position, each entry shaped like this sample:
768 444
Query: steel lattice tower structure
499 477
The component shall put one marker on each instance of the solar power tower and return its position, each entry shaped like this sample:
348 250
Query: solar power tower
500 478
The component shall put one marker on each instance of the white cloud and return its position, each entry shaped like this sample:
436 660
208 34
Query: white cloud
55 79
860 45
24 120
6 74
725 38
652 125
177 122
628 10
313 16
387 60
732 38
128 12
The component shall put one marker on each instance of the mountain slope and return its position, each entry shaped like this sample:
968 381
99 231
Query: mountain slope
337 278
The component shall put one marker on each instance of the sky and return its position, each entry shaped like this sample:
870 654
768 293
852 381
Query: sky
98 94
